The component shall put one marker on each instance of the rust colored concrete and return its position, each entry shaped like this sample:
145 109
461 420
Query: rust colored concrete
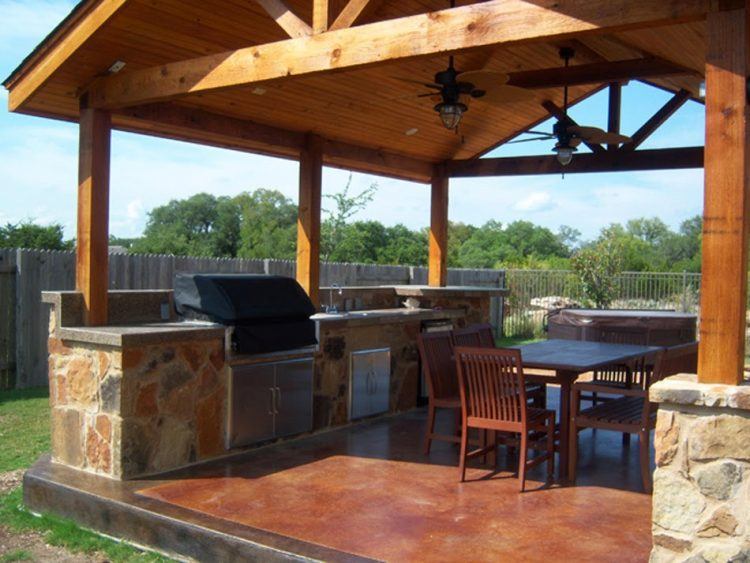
367 490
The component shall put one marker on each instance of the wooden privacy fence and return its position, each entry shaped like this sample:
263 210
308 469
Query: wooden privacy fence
24 274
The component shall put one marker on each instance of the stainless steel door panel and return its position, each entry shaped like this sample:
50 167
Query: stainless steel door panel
369 382
294 397
251 404
381 388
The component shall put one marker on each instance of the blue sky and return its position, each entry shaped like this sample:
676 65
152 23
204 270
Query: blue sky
38 159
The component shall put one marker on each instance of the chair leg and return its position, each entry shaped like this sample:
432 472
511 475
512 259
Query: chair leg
643 453
573 452
430 428
462 454
551 449
522 459
625 439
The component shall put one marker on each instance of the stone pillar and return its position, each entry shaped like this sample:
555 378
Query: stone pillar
701 503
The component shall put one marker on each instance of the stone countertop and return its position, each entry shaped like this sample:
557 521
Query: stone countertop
449 291
387 316
684 389
142 334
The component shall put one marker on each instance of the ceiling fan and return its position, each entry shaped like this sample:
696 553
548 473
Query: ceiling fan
454 88
569 135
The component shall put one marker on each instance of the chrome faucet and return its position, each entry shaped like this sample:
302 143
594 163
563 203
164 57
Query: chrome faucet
331 307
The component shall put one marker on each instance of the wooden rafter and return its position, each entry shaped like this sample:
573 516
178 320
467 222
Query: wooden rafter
287 20
614 111
471 26
595 73
607 161
320 16
351 12
656 120
558 112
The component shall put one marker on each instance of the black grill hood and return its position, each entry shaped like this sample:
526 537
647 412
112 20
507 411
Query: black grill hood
240 298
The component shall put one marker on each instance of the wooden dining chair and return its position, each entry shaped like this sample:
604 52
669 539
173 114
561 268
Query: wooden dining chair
482 336
493 397
436 353
631 411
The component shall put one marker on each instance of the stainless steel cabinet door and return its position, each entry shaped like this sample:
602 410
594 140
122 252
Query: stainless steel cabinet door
294 397
369 382
381 381
252 404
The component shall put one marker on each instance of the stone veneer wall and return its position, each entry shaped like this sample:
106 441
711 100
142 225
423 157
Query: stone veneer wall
701 502
136 411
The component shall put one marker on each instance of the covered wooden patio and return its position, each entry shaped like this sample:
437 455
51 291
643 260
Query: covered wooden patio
337 83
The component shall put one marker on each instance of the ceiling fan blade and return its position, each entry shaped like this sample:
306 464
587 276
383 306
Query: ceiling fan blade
597 135
483 79
545 138
418 82
507 95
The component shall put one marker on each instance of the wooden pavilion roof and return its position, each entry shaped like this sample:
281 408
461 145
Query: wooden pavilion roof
362 112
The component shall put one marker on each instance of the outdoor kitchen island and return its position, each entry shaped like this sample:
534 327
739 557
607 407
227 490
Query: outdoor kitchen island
151 393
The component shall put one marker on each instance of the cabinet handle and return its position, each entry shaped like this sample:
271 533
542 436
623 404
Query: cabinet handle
369 383
374 383
271 407
278 399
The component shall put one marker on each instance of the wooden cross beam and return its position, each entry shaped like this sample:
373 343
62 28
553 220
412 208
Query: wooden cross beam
558 112
287 20
656 120
606 161
483 24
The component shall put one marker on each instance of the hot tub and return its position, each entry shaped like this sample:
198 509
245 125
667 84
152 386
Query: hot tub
662 328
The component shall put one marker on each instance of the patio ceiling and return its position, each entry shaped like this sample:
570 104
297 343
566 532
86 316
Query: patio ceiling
363 113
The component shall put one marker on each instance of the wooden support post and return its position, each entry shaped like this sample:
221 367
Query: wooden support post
725 209
308 219
615 105
92 242
438 265
320 16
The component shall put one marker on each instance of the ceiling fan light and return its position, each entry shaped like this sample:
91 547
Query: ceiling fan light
564 154
450 114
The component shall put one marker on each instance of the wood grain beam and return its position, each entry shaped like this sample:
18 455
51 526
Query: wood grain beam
287 20
558 112
726 207
656 120
494 22
92 239
437 275
614 111
607 161
308 218
351 12
195 125
595 73
33 77
320 16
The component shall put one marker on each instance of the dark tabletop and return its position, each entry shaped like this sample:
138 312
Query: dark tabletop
578 355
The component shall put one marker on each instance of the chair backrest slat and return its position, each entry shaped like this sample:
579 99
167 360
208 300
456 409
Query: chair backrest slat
436 351
682 358
491 383
476 335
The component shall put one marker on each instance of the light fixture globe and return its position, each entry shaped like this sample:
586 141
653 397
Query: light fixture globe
564 153
450 113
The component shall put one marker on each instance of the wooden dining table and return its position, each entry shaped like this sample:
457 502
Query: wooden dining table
568 359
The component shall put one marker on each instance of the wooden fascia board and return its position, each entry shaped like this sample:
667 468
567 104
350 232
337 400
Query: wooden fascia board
32 79
477 25
195 125
608 161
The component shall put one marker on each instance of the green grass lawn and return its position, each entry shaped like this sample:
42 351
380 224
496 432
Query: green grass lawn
507 341
24 436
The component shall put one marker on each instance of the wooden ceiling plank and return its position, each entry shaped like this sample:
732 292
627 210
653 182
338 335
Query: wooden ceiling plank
351 12
616 161
656 120
561 115
471 26
29 82
595 73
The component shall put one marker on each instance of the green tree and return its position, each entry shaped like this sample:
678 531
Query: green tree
27 234
268 225
202 225
597 267
345 206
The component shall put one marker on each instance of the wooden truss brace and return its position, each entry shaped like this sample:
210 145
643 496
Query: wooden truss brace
656 120
287 20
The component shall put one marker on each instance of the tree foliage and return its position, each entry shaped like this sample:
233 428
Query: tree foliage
27 234
597 267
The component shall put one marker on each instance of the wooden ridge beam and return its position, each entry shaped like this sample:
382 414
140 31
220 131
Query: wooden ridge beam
350 13
185 123
595 73
494 22
608 161
287 20
656 120
558 112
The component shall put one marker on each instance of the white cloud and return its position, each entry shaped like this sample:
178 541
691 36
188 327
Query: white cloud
535 201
